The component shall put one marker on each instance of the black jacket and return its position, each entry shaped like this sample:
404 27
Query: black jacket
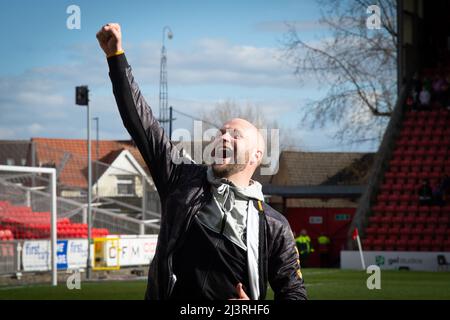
184 189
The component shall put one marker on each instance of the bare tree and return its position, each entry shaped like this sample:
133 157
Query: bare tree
229 109
356 64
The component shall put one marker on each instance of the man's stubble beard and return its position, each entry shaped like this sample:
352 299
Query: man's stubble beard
224 171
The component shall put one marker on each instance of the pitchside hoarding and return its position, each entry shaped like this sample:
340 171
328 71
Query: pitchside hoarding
36 255
394 260
133 251
72 254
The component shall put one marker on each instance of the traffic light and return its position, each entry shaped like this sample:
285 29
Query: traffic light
82 95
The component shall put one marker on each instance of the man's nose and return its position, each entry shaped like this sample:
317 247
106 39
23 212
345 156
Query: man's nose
226 137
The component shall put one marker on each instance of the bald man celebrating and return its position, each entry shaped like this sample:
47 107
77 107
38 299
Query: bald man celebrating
218 239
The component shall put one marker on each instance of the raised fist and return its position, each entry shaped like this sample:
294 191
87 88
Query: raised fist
110 38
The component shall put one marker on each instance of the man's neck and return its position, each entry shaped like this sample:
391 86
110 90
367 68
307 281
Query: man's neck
239 180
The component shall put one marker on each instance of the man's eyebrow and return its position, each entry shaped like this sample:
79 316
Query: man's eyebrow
232 129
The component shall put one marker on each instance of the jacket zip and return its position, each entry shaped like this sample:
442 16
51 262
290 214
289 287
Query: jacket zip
169 262
222 227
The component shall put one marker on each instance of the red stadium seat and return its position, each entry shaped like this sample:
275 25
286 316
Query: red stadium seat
378 209
443 219
425 245
386 219
447 245
412 209
391 208
401 245
436 245
394 232
413 245
421 219
378 244
390 245
382 231
397 219
432 219
441 230
405 231
409 219
387 187
375 219
384 197
367 243
403 201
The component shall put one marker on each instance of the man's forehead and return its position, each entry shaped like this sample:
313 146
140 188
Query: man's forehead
239 124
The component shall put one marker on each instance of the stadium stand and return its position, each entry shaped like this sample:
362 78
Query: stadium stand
398 222
20 222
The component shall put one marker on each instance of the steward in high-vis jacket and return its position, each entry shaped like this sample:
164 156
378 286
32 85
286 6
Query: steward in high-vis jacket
324 250
218 239
303 242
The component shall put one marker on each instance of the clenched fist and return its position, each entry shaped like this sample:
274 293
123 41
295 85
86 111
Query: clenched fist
110 38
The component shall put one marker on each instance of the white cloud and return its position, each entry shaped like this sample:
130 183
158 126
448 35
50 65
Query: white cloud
40 102
35 129
215 62
7 133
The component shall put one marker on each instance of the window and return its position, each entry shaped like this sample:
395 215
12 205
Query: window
9 162
342 217
125 185
23 161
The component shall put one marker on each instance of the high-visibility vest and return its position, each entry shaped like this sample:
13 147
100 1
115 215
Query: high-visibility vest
323 240
304 244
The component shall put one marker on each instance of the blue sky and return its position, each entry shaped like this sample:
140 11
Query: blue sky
221 50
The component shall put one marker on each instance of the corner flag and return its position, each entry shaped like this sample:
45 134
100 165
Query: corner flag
355 236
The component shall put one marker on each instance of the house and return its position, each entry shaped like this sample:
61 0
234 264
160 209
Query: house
117 166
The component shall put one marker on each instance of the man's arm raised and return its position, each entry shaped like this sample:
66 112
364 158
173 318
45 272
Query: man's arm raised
137 116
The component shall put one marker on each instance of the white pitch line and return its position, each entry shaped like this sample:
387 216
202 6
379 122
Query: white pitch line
319 272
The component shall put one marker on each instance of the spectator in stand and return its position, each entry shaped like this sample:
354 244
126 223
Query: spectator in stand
417 83
438 82
426 83
424 98
438 193
411 103
324 250
445 96
417 87
425 193
438 86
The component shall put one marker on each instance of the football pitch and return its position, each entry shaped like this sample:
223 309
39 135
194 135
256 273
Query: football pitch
320 283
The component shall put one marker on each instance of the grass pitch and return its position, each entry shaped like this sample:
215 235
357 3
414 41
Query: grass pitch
320 283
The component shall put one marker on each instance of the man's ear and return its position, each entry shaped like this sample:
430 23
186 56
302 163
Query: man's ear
256 157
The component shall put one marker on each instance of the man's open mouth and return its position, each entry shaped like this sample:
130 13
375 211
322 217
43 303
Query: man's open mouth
224 152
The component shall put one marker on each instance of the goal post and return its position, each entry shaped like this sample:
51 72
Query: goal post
53 209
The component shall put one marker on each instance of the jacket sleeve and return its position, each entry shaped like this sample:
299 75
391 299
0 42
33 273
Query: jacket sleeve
161 157
284 273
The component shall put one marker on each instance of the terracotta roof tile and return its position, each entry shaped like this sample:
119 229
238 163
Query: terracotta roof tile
51 151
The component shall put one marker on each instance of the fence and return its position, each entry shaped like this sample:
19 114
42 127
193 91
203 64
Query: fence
9 257
25 206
